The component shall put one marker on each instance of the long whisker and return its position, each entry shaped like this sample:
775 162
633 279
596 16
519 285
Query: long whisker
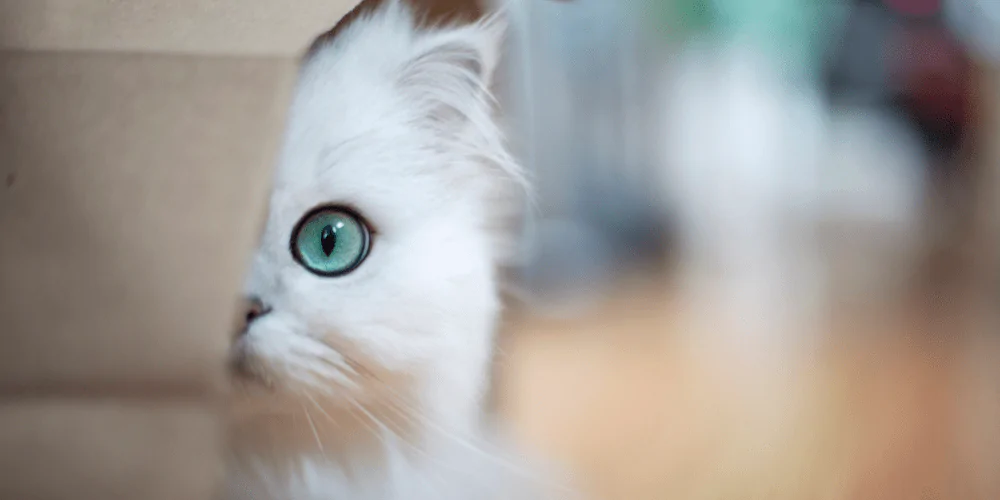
312 425
321 410
406 410
423 453
374 432
410 414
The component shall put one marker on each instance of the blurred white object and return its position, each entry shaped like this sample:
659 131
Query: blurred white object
871 206
740 157
784 208
977 22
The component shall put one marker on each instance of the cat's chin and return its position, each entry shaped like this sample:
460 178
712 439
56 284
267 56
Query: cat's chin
278 429
275 417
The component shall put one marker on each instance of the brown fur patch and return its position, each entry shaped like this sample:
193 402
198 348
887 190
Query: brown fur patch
430 13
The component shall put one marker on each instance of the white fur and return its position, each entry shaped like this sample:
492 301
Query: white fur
397 123
448 471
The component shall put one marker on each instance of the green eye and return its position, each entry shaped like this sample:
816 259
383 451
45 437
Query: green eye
330 241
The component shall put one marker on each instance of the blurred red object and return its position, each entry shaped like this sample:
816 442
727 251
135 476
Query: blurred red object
933 72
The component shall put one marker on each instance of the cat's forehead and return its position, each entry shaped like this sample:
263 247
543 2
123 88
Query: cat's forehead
360 138
373 159
370 165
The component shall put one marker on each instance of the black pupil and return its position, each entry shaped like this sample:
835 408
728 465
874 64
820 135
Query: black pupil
328 239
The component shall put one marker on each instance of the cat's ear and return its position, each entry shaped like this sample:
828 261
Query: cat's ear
451 69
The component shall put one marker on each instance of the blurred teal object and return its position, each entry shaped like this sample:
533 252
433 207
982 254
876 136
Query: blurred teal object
682 19
795 32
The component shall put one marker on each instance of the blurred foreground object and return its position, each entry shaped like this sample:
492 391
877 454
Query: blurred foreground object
977 23
138 139
579 120
790 208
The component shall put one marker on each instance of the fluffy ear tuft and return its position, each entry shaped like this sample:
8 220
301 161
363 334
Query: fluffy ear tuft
451 68
475 47
492 33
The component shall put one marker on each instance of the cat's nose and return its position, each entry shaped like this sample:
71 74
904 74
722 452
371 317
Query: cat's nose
253 308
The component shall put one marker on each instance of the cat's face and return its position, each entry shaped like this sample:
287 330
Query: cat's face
376 262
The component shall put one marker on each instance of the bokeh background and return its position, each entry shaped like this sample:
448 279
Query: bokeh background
760 259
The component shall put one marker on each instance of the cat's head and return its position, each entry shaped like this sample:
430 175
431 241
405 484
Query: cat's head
375 271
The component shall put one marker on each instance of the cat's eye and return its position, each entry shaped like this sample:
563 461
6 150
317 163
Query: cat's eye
330 241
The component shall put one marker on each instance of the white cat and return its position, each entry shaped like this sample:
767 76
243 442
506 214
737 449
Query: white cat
366 357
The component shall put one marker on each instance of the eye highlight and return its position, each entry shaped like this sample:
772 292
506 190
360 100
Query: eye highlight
330 241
